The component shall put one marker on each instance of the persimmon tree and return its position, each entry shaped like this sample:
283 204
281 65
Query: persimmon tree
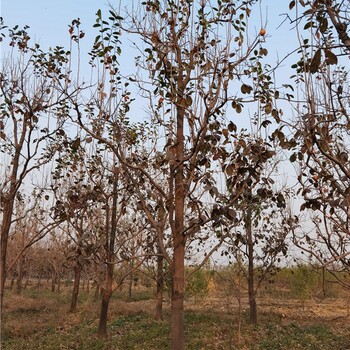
257 236
91 196
322 130
191 62
29 81
76 187
101 113
191 54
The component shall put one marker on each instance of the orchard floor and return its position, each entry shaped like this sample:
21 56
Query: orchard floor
38 320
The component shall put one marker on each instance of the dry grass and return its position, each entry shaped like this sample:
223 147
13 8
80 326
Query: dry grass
39 319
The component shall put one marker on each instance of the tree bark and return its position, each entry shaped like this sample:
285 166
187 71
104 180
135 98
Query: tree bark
253 316
107 292
20 276
97 292
160 288
53 282
38 285
5 230
106 296
177 299
58 281
179 239
131 281
76 285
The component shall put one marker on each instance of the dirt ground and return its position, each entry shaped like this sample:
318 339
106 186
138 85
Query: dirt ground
29 314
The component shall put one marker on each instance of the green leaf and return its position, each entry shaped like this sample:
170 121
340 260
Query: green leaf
316 61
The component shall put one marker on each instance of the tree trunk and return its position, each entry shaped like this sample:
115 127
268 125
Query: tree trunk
38 285
177 299
53 282
253 317
58 281
28 278
110 247
5 230
107 292
20 275
179 239
160 285
19 281
97 292
131 281
26 283
75 292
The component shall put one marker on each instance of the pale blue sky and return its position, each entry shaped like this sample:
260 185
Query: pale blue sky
49 20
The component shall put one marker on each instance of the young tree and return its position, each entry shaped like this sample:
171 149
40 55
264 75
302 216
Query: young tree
76 185
255 221
31 225
29 81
